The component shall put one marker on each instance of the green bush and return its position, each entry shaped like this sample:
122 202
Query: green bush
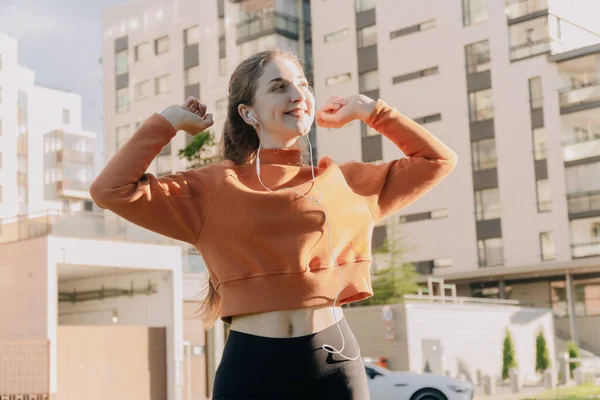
508 355
573 350
542 358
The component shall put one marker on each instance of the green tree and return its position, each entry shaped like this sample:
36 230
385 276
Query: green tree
200 150
542 358
508 355
392 279
573 350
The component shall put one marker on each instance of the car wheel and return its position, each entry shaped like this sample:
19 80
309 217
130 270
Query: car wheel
428 394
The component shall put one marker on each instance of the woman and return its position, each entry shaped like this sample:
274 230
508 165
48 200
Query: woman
285 243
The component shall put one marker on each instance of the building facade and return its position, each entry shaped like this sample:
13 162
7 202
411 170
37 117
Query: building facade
513 87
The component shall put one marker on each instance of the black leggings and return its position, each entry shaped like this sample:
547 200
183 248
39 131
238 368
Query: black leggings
258 367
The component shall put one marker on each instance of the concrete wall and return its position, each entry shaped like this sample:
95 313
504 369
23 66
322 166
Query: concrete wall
23 290
368 327
472 335
536 294
588 329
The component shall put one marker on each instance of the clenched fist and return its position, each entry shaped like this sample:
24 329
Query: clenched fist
191 116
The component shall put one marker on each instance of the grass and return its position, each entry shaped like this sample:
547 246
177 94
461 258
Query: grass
584 392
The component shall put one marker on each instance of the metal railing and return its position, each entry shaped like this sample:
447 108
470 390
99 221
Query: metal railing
265 23
24 369
529 49
584 202
580 93
461 300
520 8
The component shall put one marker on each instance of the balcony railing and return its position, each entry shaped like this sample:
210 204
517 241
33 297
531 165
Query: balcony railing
580 250
580 94
25 369
577 148
81 157
520 8
584 202
268 23
529 49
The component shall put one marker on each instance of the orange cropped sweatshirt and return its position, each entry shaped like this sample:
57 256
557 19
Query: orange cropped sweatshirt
270 251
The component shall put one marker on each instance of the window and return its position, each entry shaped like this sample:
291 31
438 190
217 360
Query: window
221 25
428 118
481 105
142 52
368 81
162 84
122 135
192 75
586 293
161 45
337 79
138 124
367 36
474 11
88 205
484 154
163 164
423 26
547 246
191 35
364 5
222 66
21 163
337 35
583 178
122 63
122 100
544 195
478 57
487 204
490 252
142 90
435 214
415 75
221 108
66 116
366 130
539 143
535 93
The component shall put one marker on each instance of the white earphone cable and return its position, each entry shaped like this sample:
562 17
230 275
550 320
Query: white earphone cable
326 347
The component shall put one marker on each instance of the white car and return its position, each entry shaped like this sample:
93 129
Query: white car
391 385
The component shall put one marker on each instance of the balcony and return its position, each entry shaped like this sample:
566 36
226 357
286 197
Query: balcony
73 188
268 23
80 157
581 147
579 94
517 10
529 49
582 205
581 250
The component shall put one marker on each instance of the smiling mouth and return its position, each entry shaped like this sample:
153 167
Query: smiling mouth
296 113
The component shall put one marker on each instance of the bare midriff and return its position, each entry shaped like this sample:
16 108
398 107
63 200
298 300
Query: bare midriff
289 323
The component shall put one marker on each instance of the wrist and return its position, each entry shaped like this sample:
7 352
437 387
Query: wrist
172 114
366 106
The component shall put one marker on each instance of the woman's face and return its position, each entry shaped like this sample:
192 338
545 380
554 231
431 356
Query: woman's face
283 102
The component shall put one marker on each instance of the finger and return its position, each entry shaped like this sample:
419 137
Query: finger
188 102
339 99
331 107
201 109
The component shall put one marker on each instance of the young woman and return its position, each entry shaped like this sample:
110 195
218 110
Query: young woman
286 243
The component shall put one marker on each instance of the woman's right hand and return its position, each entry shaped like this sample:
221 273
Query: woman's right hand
191 116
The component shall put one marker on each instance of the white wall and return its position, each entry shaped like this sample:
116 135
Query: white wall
475 334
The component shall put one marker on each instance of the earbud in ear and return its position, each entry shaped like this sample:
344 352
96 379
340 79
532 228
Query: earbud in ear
252 117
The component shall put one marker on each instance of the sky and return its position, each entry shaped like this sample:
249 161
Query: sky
61 40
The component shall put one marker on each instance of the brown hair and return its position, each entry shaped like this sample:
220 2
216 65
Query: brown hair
239 141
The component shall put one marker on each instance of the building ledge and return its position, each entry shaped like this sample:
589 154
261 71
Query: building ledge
575 53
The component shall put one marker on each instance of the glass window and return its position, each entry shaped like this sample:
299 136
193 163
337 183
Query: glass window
221 107
367 36
484 154
161 45
192 35
487 204
122 63
481 105
535 92
539 143
163 164
334 80
142 52
364 5
478 57
162 84
142 90
122 100
122 135
192 75
222 66
544 195
491 252
368 81
66 116
221 25
337 35
474 11
547 246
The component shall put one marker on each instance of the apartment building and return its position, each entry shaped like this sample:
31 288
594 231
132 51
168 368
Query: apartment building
513 87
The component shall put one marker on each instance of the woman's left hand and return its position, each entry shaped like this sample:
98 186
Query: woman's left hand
341 110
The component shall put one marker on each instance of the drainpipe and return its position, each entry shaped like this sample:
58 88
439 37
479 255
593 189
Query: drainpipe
300 14
571 307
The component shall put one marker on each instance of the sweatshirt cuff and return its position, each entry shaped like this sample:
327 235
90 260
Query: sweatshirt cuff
166 127
379 105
